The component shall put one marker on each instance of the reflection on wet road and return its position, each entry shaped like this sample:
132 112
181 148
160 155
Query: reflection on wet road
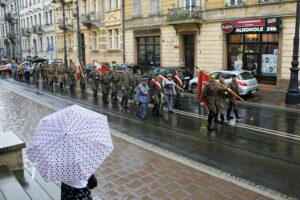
245 152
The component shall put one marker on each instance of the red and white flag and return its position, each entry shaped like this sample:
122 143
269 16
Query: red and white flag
101 68
157 84
6 67
161 78
178 80
203 79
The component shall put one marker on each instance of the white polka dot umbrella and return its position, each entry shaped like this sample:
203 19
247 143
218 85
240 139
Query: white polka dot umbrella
69 145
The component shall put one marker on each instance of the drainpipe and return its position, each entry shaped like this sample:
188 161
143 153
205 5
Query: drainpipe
123 29
19 31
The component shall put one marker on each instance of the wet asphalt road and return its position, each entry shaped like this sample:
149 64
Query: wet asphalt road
246 152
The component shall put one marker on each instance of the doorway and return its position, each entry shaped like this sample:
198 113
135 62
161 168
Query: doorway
189 52
83 49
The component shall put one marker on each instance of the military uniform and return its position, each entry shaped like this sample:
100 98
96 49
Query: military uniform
126 89
105 86
95 76
61 76
211 94
133 84
179 93
220 102
83 80
115 79
44 73
232 99
71 80
51 75
169 92
156 90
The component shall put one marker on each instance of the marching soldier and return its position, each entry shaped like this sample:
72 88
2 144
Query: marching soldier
51 75
169 92
36 74
221 100
211 94
105 86
133 84
126 88
44 73
61 75
71 80
115 80
156 93
95 76
83 80
142 96
233 85
180 82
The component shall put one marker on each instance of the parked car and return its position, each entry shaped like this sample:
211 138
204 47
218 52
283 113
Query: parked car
164 71
247 82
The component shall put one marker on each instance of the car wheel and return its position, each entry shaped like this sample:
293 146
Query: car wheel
194 88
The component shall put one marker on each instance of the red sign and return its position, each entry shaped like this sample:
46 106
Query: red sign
250 22
227 27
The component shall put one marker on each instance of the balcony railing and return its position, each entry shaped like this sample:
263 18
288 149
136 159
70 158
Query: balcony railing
69 25
185 13
235 3
268 1
91 19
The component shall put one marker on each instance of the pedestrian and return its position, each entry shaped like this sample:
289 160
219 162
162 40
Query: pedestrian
210 94
83 76
95 76
221 97
115 79
169 92
71 80
27 70
105 86
51 75
233 85
75 190
142 96
61 76
180 82
156 90
36 74
126 88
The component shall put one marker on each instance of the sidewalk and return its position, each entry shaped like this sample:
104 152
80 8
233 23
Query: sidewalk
131 172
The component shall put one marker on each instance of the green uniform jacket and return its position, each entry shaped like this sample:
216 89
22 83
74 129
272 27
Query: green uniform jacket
71 77
211 93
105 84
115 79
83 77
95 76
235 88
156 92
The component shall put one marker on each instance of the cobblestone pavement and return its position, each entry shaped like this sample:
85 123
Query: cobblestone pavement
131 172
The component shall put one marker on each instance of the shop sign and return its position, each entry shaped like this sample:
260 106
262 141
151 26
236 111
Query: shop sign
270 25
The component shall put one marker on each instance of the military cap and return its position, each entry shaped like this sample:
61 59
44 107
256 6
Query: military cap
169 75
156 74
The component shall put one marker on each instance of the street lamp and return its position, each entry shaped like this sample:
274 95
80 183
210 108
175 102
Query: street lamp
78 34
63 3
293 94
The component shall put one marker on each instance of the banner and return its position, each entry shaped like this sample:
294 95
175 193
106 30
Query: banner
203 78
101 68
6 67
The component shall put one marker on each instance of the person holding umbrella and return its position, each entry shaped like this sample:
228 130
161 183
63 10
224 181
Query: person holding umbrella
68 146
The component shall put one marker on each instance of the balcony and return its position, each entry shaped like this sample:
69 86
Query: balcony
268 1
184 15
10 17
69 25
37 29
28 32
91 19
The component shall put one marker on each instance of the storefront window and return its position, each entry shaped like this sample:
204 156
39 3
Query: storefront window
236 38
252 48
270 38
148 51
236 56
252 37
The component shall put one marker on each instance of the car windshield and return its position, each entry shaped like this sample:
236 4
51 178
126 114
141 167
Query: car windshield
245 76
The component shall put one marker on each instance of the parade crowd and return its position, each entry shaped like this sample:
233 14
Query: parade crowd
152 88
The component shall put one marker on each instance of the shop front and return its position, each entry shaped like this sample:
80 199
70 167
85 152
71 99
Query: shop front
254 45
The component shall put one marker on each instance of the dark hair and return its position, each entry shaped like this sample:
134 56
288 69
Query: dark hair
233 76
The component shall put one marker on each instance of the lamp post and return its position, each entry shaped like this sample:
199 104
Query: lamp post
293 94
63 3
78 34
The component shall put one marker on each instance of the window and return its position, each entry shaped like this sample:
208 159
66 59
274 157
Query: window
109 5
148 51
46 18
41 44
137 8
31 20
51 40
154 7
40 19
95 40
85 8
35 22
48 42
234 3
190 3
95 6
117 38
110 39
50 16
116 4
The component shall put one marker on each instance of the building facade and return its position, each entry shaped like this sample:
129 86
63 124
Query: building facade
213 35
100 31
9 33
37 25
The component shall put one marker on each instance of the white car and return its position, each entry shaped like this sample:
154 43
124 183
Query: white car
247 82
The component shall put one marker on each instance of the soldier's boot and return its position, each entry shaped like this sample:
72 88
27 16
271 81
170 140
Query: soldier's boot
126 104
61 87
223 119
209 123
236 115
216 118
106 99
122 102
158 112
